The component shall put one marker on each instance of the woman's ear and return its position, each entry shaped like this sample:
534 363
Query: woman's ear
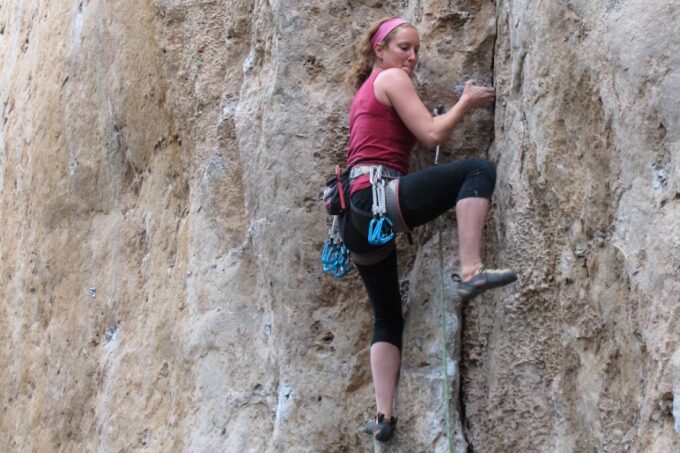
378 50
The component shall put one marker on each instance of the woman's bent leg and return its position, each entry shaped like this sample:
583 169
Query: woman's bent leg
426 194
468 185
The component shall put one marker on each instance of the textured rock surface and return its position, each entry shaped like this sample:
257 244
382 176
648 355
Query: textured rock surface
587 144
160 168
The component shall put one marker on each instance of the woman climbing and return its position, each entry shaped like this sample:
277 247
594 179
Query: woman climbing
386 119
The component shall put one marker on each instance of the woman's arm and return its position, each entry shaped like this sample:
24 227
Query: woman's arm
394 87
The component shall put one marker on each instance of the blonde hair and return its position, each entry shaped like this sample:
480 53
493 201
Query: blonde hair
365 56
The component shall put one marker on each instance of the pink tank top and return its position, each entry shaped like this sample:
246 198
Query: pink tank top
376 134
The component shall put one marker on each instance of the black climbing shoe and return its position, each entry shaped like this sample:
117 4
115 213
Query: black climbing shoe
382 429
482 280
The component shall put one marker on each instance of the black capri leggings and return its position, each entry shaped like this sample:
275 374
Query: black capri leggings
423 196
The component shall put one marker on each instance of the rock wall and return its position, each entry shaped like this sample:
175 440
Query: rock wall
579 358
160 229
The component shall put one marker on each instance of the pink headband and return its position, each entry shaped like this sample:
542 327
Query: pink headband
385 29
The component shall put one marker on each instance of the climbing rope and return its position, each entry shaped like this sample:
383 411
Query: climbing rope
444 352
438 110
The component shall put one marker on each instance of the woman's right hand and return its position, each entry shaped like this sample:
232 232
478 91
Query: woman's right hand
474 97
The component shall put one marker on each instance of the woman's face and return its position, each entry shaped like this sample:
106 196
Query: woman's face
402 50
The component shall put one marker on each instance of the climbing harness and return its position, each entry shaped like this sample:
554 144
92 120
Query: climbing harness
438 110
380 229
335 256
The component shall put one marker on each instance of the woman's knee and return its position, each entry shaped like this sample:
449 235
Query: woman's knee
480 179
389 333
486 169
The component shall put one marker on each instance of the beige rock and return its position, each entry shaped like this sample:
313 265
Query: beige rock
160 229
578 358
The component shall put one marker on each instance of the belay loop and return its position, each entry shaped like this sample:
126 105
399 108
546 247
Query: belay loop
335 256
380 229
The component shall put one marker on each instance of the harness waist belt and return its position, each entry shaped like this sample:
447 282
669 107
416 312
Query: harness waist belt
360 170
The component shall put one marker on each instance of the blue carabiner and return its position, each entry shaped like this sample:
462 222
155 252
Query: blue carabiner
340 272
380 230
335 258
329 256
342 263
327 252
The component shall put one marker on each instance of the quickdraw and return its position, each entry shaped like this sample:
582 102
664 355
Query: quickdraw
380 229
335 256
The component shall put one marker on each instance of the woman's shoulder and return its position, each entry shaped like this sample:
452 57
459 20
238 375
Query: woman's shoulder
391 82
393 76
393 72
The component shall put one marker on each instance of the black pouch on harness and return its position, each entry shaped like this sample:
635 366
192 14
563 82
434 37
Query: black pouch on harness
336 192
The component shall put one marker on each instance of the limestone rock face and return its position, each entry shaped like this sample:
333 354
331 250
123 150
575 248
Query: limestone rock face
578 358
161 165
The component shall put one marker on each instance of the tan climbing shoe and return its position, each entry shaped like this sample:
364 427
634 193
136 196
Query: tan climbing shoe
483 279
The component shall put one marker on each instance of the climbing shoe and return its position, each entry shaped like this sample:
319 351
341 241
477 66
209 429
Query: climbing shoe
481 280
382 429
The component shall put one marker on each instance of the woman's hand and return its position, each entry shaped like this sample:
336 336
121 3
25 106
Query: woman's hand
474 97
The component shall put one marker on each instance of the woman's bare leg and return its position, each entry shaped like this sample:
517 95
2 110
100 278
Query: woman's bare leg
471 215
385 362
